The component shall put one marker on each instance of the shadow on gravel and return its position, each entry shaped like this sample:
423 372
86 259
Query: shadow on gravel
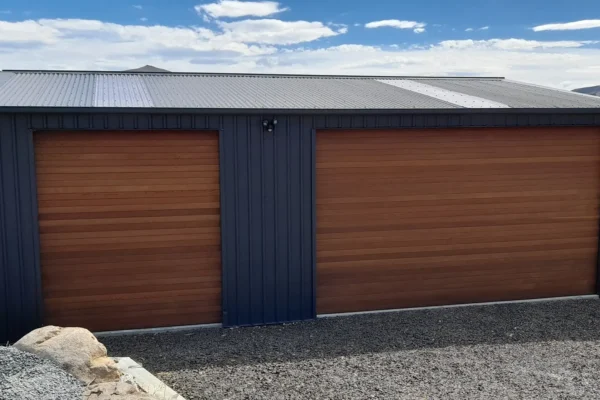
572 320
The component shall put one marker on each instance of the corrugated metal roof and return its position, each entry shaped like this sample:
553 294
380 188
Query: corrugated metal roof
517 95
282 92
5 77
121 90
456 98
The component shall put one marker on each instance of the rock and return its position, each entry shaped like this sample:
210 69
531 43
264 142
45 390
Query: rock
104 369
75 349
115 391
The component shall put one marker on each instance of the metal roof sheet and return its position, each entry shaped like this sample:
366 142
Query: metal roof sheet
456 98
282 92
48 90
516 95
112 90
5 77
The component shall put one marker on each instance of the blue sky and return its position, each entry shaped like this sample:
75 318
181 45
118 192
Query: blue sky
427 37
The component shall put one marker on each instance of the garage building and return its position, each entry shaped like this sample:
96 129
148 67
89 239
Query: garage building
140 200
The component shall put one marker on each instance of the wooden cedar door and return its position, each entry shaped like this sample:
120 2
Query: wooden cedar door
129 228
430 217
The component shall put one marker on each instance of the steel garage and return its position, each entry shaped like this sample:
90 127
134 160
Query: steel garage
139 200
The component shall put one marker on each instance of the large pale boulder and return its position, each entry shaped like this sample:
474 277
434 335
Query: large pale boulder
75 349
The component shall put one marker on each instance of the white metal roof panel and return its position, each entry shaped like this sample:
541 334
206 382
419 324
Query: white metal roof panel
114 90
456 98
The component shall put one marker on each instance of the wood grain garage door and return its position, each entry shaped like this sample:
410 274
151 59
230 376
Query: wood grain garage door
129 225
431 217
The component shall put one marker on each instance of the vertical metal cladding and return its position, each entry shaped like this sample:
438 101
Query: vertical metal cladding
20 289
267 202
267 220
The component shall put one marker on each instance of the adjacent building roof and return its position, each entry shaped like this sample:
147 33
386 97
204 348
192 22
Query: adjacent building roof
139 90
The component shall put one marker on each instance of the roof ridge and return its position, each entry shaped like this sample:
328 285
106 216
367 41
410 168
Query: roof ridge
247 75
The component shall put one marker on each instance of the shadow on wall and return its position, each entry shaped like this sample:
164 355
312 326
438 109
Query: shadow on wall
576 320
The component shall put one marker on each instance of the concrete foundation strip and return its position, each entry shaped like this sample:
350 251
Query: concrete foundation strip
145 380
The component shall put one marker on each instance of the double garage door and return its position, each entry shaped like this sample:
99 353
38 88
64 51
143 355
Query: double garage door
129 228
420 218
130 238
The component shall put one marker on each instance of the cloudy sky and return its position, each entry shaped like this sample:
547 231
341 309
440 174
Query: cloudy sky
550 43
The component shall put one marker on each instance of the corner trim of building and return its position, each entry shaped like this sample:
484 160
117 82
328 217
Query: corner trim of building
222 225
313 160
490 303
35 227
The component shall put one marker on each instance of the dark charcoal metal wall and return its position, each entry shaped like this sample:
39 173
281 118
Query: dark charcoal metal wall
20 294
267 212
267 203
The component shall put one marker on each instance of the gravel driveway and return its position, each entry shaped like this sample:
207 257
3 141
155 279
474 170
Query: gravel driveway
547 350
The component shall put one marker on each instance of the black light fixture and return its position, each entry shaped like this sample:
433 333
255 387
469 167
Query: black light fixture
269 125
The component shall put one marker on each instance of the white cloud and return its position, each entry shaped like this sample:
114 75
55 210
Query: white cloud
111 40
511 44
417 27
483 28
569 26
139 7
27 31
339 28
236 9
357 24
143 19
85 44
274 31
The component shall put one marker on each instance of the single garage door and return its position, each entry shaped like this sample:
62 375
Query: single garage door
430 217
129 228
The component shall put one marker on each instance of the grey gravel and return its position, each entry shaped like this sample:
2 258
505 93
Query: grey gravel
547 350
24 376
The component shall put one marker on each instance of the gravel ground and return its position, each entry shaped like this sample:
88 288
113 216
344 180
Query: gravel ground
547 350
24 376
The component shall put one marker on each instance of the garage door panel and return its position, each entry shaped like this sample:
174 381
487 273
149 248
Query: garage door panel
445 297
199 228
452 250
152 269
423 217
186 254
133 216
141 319
432 248
425 136
413 231
391 187
67 256
448 211
157 288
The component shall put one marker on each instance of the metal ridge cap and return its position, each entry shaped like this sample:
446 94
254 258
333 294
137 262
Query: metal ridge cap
257 75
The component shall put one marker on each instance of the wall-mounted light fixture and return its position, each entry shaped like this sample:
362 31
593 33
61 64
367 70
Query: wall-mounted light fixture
269 125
